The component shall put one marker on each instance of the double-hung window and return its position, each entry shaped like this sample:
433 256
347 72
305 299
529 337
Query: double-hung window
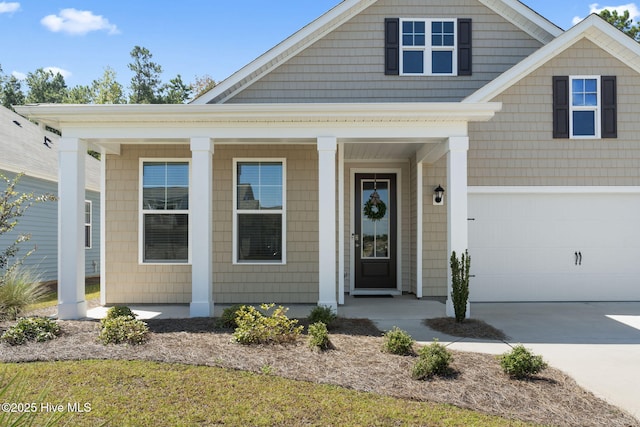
164 213
428 47
259 211
87 224
585 107
584 117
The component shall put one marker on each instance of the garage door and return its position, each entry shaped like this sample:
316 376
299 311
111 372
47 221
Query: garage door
550 246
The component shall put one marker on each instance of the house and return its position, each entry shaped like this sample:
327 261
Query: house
32 151
310 173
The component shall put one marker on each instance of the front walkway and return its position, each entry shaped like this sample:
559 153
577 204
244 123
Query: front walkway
598 344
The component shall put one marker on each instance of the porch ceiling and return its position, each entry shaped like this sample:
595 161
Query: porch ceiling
377 151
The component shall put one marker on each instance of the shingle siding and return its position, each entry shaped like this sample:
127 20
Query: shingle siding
516 147
347 65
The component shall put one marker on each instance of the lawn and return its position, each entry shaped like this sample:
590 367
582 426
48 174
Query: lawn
139 393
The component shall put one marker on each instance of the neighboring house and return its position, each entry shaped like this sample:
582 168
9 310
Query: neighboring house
258 191
26 148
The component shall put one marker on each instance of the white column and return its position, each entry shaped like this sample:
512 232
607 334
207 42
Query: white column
103 226
327 221
341 267
456 201
201 210
419 233
71 183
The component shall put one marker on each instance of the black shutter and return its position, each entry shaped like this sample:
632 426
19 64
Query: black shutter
392 46
561 106
609 107
464 47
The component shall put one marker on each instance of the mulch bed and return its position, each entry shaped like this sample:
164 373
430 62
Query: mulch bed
355 362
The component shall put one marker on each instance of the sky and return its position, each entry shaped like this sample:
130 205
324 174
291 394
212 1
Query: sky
193 38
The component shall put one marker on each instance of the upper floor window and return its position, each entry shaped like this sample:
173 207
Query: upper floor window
427 47
584 107
259 211
164 213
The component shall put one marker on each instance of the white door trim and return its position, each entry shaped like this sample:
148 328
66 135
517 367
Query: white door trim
352 227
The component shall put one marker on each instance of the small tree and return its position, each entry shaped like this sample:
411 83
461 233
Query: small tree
460 284
13 205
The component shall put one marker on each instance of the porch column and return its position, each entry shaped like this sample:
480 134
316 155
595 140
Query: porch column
71 183
457 238
201 227
419 227
327 221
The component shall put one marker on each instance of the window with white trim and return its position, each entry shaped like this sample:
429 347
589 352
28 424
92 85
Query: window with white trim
584 110
164 213
428 47
87 224
259 225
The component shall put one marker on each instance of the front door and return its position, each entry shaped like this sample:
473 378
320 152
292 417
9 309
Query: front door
375 231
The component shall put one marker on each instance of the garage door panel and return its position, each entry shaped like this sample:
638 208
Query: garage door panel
523 246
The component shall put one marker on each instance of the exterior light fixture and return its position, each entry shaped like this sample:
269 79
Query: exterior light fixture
438 192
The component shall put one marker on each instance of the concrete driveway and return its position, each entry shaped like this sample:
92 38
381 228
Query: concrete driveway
598 344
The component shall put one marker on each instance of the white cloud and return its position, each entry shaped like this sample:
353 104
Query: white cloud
9 7
18 75
55 70
78 22
634 11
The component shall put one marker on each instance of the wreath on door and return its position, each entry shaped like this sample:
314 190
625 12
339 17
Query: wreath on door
375 209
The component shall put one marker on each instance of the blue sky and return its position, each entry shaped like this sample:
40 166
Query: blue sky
187 37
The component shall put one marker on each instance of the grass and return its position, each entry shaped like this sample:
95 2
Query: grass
50 298
144 393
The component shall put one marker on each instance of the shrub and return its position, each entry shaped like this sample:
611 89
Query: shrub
37 329
397 341
322 314
122 330
433 359
460 284
521 363
256 327
228 318
318 336
19 288
119 311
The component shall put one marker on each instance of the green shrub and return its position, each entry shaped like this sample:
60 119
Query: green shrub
318 336
521 363
433 359
228 318
19 288
460 284
119 311
37 329
122 330
258 327
397 341
322 314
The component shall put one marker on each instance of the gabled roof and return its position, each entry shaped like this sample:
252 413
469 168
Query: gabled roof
26 148
593 28
512 10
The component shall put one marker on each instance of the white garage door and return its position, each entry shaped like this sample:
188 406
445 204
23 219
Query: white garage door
554 246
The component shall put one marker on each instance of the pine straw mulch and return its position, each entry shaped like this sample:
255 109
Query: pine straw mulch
355 362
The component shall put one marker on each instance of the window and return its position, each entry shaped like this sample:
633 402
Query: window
87 224
584 107
428 47
164 223
259 211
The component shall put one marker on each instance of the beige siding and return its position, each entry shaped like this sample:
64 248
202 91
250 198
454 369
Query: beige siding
295 282
516 147
127 281
348 64
435 259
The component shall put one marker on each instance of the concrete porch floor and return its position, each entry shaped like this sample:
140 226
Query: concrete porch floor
596 343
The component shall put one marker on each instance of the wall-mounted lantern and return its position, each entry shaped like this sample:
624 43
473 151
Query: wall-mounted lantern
438 192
